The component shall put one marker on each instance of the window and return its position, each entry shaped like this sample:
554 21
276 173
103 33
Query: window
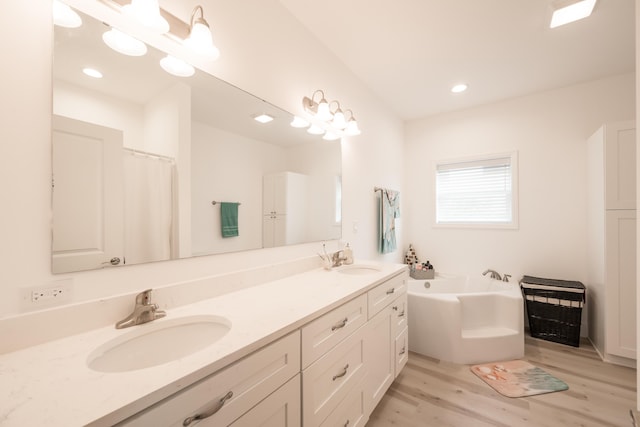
478 192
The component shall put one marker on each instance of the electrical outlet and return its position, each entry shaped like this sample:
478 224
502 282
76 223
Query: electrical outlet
51 294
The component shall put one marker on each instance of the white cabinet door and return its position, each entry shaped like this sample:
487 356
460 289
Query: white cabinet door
620 337
280 409
87 196
379 357
401 350
620 165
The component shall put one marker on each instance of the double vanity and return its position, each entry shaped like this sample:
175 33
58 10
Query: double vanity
315 348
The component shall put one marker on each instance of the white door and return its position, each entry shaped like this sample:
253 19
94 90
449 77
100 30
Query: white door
87 196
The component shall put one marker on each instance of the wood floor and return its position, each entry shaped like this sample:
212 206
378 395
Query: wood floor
429 392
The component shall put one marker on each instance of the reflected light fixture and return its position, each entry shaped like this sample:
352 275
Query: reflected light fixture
200 39
263 118
566 11
147 12
92 72
64 16
124 43
332 124
176 66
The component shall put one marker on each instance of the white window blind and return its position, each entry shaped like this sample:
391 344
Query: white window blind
476 192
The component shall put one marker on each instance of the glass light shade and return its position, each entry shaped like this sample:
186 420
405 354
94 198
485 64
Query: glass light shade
330 136
64 16
566 11
315 130
299 122
147 12
352 128
200 41
124 43
177 67
338 120
323 112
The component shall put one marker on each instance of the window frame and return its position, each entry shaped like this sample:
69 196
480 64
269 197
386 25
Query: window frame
514 223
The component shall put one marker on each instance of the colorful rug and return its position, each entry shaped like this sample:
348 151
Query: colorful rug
518 378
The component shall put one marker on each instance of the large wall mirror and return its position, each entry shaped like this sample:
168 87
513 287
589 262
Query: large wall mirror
143 161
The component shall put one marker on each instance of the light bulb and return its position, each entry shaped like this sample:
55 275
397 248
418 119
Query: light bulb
338 120
352 128
315 130
147 12
64 16
330 136
323 111
299 122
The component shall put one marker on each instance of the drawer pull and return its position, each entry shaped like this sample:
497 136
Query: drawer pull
340 324
403 351
218 405
343 373
401 314
346 424
390 291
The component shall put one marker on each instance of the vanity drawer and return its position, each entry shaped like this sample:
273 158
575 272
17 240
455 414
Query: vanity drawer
240 386
322 334
331 379
382 295
350 412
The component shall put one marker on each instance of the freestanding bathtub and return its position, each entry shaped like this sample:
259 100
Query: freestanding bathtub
466 320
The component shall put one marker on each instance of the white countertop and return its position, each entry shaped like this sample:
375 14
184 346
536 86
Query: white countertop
50 384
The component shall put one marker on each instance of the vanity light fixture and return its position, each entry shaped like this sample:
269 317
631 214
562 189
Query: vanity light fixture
566 11
333 124
200 39
92 72
299 122
147 12
263 118
176 66
64 16
459 88
124 43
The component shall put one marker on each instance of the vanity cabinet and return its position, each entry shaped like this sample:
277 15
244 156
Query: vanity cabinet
284 209
235 390
280 409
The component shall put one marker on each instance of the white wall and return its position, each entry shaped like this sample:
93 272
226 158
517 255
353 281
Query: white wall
266 52
549 130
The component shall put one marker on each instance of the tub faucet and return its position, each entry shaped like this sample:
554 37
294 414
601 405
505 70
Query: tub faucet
143 311
494 274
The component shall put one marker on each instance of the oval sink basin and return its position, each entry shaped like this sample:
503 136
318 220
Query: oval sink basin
154 343
358 269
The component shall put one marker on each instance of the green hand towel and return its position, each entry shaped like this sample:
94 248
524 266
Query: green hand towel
229 219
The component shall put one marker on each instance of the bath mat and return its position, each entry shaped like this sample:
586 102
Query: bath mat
518 378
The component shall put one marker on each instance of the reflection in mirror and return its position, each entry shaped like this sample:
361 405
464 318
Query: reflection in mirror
140 157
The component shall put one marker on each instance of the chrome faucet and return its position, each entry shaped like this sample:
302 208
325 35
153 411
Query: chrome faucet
143 311
505 277
337 259
494 274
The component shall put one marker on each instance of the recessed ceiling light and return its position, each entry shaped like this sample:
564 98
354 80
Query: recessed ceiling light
92 72
263 118
566 11
461 87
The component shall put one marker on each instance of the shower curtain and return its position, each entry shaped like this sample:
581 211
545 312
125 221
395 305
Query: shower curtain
148 207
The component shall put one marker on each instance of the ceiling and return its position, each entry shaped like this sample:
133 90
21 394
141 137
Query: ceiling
411 52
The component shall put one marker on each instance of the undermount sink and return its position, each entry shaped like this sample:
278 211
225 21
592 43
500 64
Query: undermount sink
158 342
358 269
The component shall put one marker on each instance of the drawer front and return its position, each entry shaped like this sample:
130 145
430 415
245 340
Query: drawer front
383 294
402 350
324 333
239 387
329 380
280 409
350 412
399 308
